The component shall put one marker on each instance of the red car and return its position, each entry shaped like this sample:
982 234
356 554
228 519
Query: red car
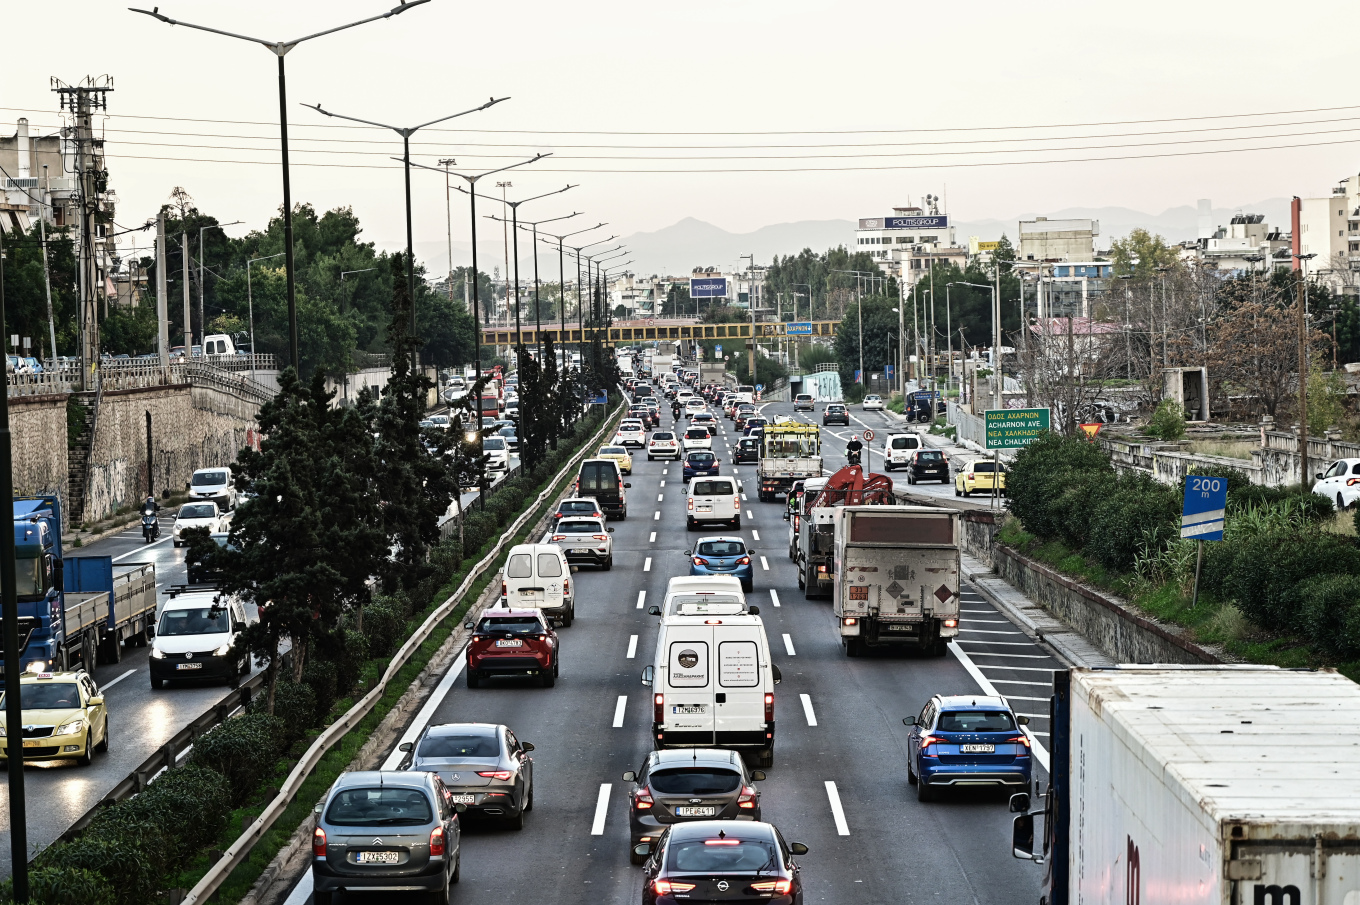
508 642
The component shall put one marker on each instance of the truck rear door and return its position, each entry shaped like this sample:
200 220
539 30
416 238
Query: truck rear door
739 702
690 684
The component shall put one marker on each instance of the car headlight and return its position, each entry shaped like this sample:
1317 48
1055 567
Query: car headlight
157 653
177 528
223 650
2 731
70 727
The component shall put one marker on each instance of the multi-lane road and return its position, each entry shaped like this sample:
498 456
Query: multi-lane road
839 781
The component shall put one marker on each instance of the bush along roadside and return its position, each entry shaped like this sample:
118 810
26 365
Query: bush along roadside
1281 587
164 838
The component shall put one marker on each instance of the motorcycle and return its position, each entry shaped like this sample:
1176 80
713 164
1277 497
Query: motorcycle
151 527
852 457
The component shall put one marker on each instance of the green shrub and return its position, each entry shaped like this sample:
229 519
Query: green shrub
1137 512
323 679
189 804
1168 421
1269 570
1043 470
62 886
383 625
243 750
1330 610
295 705
131 856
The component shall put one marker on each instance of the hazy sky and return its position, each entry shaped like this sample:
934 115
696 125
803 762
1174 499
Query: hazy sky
578 71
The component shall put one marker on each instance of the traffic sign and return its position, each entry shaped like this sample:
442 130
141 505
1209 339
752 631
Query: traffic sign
601 398
868 435
1090 430
717 350
1014 428
760 388
1202 511
798 328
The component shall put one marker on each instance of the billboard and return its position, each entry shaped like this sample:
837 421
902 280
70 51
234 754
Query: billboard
708 287
932 221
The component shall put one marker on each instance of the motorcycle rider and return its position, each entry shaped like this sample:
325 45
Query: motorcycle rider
675 409
852 449
151 526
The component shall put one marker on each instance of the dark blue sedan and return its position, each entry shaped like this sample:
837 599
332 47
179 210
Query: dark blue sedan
701 463
723 555
967 740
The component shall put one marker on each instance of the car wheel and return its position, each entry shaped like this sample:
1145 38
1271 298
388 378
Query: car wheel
924 791
473 680
765 757
516 822
1340 503
649 459
689 524
570 617
529 802
85 759
103 746
736 523
457 868
623 516
440 896
800 579
911 775
548 678
323 898
157 684
748 586
854 647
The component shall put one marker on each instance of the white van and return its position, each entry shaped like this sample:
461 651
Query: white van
713 686
214 484
898 450
218 344
537 576
716 499
196 635
703 595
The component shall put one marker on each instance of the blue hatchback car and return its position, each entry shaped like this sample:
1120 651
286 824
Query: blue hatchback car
967 740
701 464
723 555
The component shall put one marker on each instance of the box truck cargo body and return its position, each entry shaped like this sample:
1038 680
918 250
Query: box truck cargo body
1227 785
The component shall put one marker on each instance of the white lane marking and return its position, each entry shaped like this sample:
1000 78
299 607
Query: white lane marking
807 707
642 595
837 812
665 471
788 645
994 643
1014 668
983 631
656 516
992 621
750 514
743 496
755 535
774 596
601 809
619 709
983 653
112 682
764 565
1016 697
632 646
662 484
1022 682
139 550
1040 752
988 612
647 566
660 497
652 539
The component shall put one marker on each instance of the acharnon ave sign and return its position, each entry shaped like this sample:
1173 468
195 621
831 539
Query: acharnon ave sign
1014 428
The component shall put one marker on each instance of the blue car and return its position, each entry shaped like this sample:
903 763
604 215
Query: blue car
701 464
723 555
967 740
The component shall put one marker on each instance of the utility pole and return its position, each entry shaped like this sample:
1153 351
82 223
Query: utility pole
162 309
47 275
188 328
1304 478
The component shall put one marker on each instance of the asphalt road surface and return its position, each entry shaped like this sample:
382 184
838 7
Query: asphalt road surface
839 783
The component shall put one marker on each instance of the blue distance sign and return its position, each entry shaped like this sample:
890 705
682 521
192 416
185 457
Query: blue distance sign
601 398
799 328
708 287
1202 512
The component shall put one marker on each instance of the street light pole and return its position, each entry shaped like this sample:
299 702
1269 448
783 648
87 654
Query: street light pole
562 281
533 226
280 50
343 274
250 308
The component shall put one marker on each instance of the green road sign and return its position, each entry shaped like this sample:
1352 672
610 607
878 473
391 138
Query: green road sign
1014 428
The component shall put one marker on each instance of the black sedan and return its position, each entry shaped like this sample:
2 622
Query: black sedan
746 450
695 784
928 465
835 412
718 860
483 765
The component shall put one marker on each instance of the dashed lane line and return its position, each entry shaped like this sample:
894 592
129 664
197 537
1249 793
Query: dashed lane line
997 643
632 647
764 565
788 645
807 707
660 497
112 682
774 596
755 535
656 516
652 539
647 565
983 653
837 812
620 708
601 809
642 596
983 631
750 514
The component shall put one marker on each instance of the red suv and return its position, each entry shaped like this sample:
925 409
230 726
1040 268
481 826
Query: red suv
509 642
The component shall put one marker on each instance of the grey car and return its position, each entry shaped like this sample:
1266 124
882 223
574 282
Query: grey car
585 540
485 768
694 784
385 831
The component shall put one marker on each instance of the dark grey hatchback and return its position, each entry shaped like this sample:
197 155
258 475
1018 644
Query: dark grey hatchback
385 831
694 784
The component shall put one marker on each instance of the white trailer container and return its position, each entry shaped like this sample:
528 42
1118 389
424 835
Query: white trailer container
1205 786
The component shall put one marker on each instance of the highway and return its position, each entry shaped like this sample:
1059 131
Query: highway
839 781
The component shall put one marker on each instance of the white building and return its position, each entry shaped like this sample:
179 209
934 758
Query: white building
1246 243
905 243
1330 229
1042 239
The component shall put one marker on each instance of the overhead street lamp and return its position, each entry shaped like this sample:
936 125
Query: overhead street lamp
280 50
538 317
562 277
580 311
996 337
601 316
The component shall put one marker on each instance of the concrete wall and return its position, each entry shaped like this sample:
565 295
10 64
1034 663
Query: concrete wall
1274 464
38 444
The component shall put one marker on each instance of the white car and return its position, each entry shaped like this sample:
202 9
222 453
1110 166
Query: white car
663 445
585 540
1340 483
497 452
197 515
697 437
873 403
694 406
439 421
632 432
213 485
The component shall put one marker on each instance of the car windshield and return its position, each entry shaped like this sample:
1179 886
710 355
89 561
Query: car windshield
975 721
515 625
722 855
206 478
701 458
197 510
388 806
469 742
835 408
579 526
804 397
577 506
631 426
985 466
721 548
48 696
713 488
694 781
205 620
493 443
507 432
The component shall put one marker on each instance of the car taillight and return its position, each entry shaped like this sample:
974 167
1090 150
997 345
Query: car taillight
700 561
557 515
928 740
769 708
951 623
797 522
555 537
744 561
501 775
600 536
503 591
691 504
850 620
778 887
747 798
736 503
666 887
659 708
566 586
643 800
437 841
969 476
319 842
1019 740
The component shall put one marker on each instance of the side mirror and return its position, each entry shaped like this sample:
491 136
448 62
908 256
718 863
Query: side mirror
1318 476
786 515
527 746
753 610
653 610
317 810
757 775
778 676
797 848
630 776
1022 839
1020 803
642 850
627 485
1022 720
405 746
610 530
238 626
647 673
468 626
575 569
908 721
96 700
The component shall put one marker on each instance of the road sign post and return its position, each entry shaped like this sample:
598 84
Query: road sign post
1203 508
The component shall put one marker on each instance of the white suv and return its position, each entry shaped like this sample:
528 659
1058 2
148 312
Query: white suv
697 437
213 485
663 445
631 433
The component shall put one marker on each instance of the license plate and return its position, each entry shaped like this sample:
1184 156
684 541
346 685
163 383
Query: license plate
977 749
689 709
375 858
695 812
705 508
859 592
461 799
898 628
188 666
35 742
511 643
580 549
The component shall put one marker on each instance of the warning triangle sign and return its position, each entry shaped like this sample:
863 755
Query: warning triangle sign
1090 430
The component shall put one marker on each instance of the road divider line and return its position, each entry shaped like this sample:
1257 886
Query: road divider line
837 812
764 565
620 708
662 484
807 705
647 565
755 535
743 496
139 550
112 682
652 539
751 515
632 646
774 596
1040 752
665 471
788 645
660 497
656 516
601 809
642 596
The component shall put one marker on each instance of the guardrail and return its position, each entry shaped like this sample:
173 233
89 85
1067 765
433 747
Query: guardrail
240 850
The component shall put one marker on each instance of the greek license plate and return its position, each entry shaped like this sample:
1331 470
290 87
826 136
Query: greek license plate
376 858
461 799
689 709
34 742
977 749
188 666
705 508
859 592
510 643
580 549
898 628
695 812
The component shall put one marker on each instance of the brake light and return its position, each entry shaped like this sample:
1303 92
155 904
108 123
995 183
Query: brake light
744 561
747 798
319 843
722 842
503 591
555 537
736 503
850 620
566 586
643 800
951 623
927 741
666 887
1019 740
691 504
502 775
778 887
700 561
659 708
436 842
969 476
797 522
769 708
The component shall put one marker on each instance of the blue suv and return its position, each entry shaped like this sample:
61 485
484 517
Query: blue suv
701 464
722 555
967 740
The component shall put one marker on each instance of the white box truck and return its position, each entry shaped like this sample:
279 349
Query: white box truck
1200 785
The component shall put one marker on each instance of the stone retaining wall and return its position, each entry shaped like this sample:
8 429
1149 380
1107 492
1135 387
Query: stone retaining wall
38 445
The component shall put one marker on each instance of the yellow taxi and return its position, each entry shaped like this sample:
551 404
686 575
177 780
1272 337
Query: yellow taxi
976 476
64 716
619 454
